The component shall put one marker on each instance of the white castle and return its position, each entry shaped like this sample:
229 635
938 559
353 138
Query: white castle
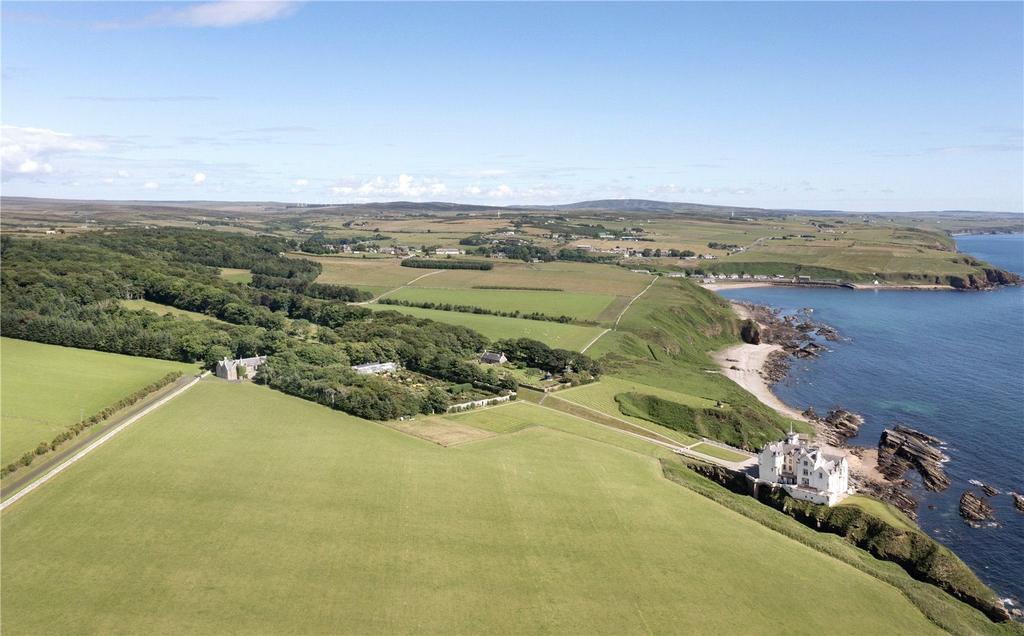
806 472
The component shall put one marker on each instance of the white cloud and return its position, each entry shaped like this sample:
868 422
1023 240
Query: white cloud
473 189
403 186
151 185
501 192
123 174
302 182
198 178
29 151
218 14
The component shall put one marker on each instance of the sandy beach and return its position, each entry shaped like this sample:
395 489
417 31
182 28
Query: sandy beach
742 364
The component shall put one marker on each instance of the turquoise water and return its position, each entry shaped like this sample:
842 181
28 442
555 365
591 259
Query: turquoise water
948 363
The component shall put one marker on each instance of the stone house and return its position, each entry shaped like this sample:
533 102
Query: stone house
240 368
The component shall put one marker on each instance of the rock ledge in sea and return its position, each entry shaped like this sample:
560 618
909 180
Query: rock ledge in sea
975 510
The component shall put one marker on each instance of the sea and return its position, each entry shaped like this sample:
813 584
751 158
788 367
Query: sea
948 363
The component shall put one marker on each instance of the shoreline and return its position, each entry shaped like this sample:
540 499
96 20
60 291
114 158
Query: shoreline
715 287
743 364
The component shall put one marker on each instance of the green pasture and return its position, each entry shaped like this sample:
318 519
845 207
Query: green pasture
880 509
567 276
164 310
45 388
236 509
554 334
578 305
242 276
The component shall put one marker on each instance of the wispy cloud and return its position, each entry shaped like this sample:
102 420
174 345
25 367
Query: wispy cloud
143 98
219 14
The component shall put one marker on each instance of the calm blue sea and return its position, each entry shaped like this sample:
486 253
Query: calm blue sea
948 363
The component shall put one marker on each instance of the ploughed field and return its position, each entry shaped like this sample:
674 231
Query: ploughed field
47 388
238 509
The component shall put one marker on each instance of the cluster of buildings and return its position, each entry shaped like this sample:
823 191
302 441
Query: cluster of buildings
806 471
239 368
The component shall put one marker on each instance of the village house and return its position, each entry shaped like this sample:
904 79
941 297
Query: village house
805 471
491 357
447 251
240 368
375 368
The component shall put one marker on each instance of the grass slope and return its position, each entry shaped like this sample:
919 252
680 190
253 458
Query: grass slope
163 310
554 334
236 509
45 388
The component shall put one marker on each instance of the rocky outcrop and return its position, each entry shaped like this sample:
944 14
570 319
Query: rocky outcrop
989 490
750 333
1018 502
837 427
975 510
776 366
902 448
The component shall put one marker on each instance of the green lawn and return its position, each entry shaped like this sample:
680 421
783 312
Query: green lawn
577 305
554 334
233 275
163 310
46 388
235 509
719 452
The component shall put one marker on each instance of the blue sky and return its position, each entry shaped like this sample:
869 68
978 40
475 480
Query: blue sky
855 106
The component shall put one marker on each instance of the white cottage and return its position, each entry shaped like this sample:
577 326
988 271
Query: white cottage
806 471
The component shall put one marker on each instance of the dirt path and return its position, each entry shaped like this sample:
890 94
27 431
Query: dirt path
53 472
619 317
391 291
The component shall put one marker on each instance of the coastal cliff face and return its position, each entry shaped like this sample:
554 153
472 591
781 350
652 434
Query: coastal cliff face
918 554
988 278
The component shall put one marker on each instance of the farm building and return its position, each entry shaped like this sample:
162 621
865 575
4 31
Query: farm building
447 251
806 472
490 357
375 368
240 368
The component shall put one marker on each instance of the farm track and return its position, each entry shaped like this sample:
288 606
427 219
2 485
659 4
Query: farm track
77 452
619 317
391 291
592 416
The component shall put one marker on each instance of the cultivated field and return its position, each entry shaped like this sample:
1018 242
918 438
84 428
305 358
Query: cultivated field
566 276
46 388
235 509
578 305
375 274
554 334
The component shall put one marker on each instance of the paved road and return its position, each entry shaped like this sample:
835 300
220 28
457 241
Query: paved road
99 442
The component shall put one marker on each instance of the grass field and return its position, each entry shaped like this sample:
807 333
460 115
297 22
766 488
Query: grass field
236 509
46 388
242 276
554 334
567 276
519 415
163 310
376 274
578 305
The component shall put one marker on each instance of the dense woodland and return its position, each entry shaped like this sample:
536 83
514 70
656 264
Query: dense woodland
67 293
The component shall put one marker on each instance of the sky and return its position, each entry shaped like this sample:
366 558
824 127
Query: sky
854 106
